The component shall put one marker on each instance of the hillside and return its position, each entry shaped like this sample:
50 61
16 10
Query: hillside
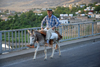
19 5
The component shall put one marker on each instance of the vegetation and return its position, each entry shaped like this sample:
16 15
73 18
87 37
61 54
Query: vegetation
30 19
66 10
97 8
25 20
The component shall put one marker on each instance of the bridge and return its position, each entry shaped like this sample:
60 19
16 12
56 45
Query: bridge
13 43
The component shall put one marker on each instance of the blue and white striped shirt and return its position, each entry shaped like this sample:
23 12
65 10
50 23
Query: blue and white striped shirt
50 22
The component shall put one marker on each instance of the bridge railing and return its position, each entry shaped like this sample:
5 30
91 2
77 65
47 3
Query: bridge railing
13 40
80 30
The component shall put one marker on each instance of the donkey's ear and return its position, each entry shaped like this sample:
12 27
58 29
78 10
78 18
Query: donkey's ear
29 32
32 30
34 33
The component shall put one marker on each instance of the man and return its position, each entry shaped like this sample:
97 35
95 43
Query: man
51 23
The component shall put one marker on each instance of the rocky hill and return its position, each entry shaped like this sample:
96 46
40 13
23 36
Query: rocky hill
19 5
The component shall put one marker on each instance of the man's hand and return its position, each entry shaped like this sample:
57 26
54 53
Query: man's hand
53 28
42 29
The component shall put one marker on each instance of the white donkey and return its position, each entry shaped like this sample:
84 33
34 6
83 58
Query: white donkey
40 38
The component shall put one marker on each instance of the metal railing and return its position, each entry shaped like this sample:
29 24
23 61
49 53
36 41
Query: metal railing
13 40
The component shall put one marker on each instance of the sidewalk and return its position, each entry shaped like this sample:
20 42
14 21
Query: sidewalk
29 52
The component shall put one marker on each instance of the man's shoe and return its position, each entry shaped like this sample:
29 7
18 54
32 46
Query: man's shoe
46 45
31 46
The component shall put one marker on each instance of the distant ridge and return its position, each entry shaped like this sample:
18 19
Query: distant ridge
19 5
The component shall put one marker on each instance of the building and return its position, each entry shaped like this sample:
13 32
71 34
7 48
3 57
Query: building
82 5
37 11
82 15
4 18
97 16
63 16
63 21
1 11
93 15
92 8
70 6
88 8
39 14
70 15
12 12
97 4
44 9
90 12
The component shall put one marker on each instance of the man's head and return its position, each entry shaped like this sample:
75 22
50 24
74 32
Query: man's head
49 12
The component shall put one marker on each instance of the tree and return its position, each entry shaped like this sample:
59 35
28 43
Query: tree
16 16
97 8
0 19
90 4
94 3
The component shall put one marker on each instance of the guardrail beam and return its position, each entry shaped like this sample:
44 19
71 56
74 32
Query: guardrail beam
0 43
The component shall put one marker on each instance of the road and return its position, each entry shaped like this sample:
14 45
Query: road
85 55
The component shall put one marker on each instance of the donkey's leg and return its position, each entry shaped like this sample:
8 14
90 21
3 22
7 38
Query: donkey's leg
53 50
45 51
36 51
59 50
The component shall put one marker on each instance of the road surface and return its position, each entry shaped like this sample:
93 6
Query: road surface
85 55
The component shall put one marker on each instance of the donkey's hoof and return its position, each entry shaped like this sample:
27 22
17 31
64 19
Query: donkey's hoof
51 57
56 50
45 59
59 55
33 59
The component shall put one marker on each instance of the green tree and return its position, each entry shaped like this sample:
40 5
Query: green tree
90 4
0 19
97 8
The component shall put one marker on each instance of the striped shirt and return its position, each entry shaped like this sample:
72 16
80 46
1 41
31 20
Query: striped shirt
50 22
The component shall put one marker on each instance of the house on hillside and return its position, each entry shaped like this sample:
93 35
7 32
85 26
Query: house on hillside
88 8
90 13
44 9
82 5
97 4
97 16
64 21
4 18
39 14
63 16
82 15
37 11
1 11
70 6
70 15
92 8
12 12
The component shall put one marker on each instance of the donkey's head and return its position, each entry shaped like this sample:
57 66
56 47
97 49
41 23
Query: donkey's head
33 37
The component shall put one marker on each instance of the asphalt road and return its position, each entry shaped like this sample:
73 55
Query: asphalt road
86 55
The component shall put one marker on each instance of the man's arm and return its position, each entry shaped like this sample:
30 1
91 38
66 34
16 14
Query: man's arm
43 21
57 22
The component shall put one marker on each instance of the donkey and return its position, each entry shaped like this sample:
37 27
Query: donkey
39 37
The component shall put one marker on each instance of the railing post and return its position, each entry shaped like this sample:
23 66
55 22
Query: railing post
92 29
78 30
0 43
60 30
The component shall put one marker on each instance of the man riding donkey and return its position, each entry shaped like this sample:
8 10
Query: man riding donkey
51 22
47 36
